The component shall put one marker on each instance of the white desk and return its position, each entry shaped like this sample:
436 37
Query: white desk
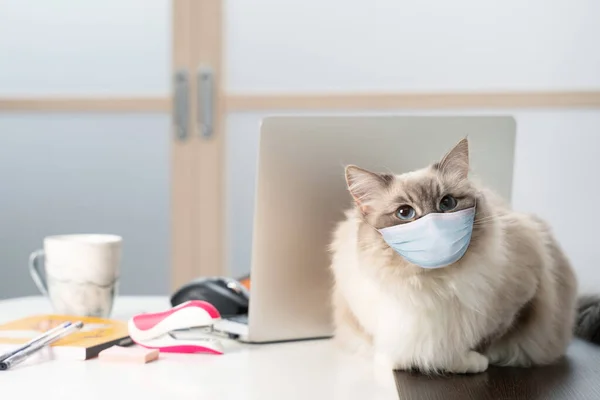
288 371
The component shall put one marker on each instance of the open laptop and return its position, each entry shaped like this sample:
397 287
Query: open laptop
301 194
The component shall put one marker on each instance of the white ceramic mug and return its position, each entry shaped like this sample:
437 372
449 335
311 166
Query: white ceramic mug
81 272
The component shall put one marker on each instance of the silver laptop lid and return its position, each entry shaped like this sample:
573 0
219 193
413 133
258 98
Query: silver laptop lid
301 195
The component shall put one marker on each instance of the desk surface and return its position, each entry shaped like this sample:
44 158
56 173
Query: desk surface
575 377
300 370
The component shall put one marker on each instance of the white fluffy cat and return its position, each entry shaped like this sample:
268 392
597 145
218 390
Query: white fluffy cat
510 300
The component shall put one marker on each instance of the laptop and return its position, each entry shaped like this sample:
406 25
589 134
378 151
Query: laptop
301 194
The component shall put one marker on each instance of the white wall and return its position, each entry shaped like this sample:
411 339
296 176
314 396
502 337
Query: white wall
79 172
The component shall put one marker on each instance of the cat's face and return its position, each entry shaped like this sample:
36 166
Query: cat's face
386 200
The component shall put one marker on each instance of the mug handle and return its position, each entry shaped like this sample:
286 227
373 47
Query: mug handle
35 272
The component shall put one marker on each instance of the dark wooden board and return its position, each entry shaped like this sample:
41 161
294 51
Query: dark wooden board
575 377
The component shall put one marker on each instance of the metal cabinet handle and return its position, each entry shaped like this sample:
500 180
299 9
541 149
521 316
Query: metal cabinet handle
205 92
181 104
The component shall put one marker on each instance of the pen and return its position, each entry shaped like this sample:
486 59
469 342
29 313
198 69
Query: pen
33 348
34 340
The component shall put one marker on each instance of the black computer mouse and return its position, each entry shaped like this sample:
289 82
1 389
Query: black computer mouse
228 295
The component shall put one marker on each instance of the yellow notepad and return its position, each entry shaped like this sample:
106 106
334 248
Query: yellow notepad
96 335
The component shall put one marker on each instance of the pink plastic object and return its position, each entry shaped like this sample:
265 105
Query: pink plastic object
153 330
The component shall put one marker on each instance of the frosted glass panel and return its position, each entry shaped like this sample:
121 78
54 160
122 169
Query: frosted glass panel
71 173
391 45
74 47
556 168
557 178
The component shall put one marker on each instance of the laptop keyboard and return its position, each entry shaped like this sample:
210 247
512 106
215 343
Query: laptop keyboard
240 319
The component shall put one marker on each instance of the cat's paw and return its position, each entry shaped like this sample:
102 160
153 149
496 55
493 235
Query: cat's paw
508 356
383 370
353 344
497 356
472 363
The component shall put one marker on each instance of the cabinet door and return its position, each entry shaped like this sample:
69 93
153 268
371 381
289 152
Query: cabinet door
85 133
198 162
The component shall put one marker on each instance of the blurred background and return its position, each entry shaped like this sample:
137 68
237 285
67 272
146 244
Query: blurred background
104 109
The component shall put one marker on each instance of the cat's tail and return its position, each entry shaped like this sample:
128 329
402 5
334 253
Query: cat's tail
587 323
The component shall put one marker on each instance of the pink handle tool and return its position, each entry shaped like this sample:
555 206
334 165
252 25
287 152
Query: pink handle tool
160 330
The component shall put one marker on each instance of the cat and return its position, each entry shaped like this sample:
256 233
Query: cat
510 300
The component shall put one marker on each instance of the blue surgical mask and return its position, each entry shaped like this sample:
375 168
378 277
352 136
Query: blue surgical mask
433 241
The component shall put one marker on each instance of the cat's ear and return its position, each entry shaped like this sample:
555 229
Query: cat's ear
456 161
364 186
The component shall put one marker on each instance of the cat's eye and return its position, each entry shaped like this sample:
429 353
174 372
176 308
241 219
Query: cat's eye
447 203
405 212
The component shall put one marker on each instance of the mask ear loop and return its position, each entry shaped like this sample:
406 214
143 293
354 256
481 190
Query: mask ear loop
364 220
474 209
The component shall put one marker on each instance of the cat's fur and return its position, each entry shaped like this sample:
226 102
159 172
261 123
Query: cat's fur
510 300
